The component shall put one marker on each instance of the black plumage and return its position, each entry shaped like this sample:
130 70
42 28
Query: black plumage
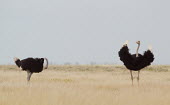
135 62
31 65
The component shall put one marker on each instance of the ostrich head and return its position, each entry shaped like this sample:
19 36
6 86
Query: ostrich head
138 42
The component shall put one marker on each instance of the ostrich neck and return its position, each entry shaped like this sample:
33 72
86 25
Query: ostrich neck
137 54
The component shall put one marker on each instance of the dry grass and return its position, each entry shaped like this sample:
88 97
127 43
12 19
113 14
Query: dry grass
85 85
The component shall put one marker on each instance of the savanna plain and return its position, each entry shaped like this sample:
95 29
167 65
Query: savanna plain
85 85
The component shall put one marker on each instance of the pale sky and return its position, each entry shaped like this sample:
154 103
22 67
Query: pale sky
83 31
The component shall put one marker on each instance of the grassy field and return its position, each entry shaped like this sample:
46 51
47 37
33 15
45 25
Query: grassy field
85 85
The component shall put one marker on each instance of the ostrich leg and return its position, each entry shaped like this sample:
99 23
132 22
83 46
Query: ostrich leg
131 76
138 77
28 75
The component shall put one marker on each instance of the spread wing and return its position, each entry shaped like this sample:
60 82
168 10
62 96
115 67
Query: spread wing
125 56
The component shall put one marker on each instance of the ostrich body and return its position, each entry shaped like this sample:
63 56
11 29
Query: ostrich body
135 62
31 65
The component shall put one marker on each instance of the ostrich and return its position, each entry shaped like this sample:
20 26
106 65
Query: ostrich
135 62
31 65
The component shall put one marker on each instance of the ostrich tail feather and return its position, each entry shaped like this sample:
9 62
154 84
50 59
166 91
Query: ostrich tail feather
150 47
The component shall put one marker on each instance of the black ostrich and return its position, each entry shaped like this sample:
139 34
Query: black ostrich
135 62
31 65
